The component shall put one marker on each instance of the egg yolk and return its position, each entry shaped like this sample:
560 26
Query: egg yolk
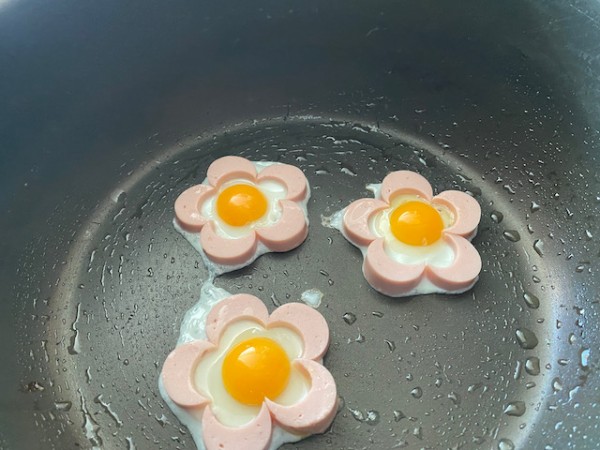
254 369
241 204
416 223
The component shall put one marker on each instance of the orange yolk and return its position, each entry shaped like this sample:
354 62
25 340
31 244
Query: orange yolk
241 204
416 223
254 369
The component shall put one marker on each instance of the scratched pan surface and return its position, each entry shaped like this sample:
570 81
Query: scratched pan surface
112 110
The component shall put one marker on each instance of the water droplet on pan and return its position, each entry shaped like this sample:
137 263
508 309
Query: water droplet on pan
360 338
515 409
497 216
509 189
275 301
506 444
398 415
349 318
370 417
417 392
512 235
531 300
538 246
63 406
454 397
584 358
532 365
391 345
526 338
557 385
418 432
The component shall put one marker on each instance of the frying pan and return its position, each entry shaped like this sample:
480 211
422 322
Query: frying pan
110 109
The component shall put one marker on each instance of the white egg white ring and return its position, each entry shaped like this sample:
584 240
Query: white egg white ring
208 377
438 254
272 191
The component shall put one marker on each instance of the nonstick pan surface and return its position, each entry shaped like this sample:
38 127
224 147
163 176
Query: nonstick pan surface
134 105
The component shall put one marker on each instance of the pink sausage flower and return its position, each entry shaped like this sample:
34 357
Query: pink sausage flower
288 231
311 413
394 278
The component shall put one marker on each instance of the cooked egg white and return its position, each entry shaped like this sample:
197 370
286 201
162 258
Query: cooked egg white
437 254
207 377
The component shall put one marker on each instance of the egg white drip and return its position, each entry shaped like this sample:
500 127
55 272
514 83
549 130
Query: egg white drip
312 297
193 327
273 191
442 255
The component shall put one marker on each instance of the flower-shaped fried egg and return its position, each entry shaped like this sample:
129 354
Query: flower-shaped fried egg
414 242
244 209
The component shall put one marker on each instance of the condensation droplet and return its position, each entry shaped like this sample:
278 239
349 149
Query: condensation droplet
357 414
74 347
417 392
275 301
506 444
63 406
531 300
512 235
130 443
532 365
538 246
497 216
515 409
526 338
349 318
454 397
398 415
474 387
557 385
370 416
418 432
584 358
360 338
